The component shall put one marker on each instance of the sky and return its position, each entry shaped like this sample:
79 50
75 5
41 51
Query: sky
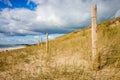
25 21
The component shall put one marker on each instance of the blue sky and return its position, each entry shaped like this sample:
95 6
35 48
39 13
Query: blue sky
23 21
16 4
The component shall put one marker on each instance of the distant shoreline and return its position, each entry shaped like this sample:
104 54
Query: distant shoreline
4 48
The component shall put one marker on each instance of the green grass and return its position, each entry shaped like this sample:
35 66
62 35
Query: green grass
69 57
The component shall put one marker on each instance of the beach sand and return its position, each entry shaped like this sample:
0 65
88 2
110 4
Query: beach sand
4 51
11 48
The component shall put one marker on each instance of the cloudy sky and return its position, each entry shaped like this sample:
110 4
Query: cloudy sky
23 21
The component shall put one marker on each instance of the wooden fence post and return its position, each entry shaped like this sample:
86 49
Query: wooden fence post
95 54
47 44
41 41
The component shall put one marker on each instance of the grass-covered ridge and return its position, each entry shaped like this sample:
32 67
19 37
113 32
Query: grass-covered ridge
69 57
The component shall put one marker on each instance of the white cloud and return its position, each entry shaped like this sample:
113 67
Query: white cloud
53 16
7 2
29 39
51 37
48 15
17 21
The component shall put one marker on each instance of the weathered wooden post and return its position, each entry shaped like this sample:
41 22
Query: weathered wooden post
41 41
95 54
47 44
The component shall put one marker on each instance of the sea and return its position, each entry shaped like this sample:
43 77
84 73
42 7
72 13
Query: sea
11 46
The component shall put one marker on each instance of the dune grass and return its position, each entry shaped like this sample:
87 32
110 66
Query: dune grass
69 57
